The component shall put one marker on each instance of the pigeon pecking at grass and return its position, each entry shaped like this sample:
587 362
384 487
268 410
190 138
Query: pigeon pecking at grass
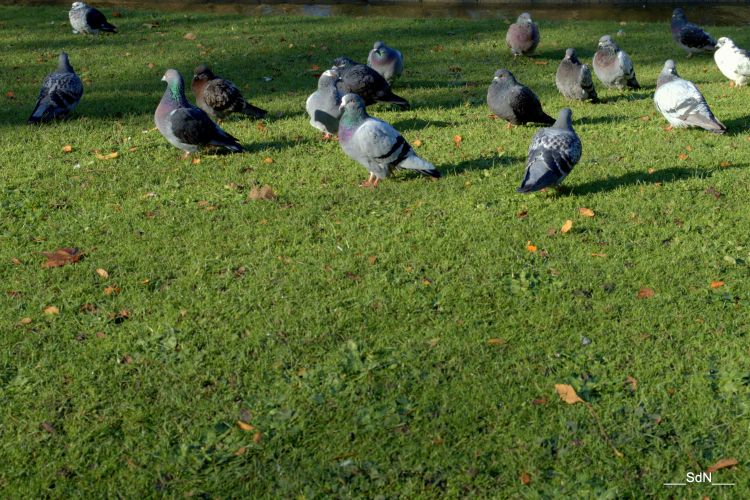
386 61
690 37
514 102
375 144
522 36
367 83
681 103
732 61
323 104
574 80
185 126
613 66
60 94
219 97
87 19
553 153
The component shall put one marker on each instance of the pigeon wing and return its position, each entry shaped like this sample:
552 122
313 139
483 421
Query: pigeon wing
192 126
693 36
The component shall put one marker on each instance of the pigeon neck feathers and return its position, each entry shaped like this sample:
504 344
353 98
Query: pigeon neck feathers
63 64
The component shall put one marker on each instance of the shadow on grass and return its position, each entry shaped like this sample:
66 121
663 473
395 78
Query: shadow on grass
481 163
737 126
662 176
644 93
595 120
419 124
254 147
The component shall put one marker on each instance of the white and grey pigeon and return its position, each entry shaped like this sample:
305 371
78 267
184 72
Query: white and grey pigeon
732 61
553 153
574 80
185 126
690 37
87 19
375 144
514 102
613 66
681 103
60 94
522 36
323 104
386 61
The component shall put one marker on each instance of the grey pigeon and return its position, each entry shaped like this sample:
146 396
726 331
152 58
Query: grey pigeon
514 102
60 94
613 66
364 81
219 97
185 126
323 104
690 37
522 36
732 61
553 153
681 103
573 79
386 61
87 19
375 144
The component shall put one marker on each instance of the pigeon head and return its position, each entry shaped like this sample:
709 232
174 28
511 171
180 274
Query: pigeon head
570 54
668 73
504 76
564 119
724 41
78 5
203 72
607 43
524 18
63 64
352 102
678 15
379 45
343 62
175 84
331 73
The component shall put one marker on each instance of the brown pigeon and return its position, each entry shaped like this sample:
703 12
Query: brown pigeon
219 97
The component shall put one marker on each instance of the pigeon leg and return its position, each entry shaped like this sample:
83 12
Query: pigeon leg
327 136
186 155
368 182
669 129
509 126
731 84
375 184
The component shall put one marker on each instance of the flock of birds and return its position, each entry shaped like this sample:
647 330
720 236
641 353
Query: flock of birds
338 106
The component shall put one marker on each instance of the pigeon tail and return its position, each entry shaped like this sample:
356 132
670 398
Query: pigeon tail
392 98
105 26
253 111
228 141
417 164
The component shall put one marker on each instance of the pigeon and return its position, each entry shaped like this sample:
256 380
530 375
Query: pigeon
185 126
522 36
553 153
364 81
219 97
386 61
514 102
732 61
573 79
86 19
60 94
375 144
323 104
613 66
690 37
681 103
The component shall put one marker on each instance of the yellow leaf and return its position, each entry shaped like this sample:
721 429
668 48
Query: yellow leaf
25 321
717 284
51 310
268 160
568 394
102 273
112 290
651 171
586 212
416 143
67 148
567 226
457 140
682 156
245 426
109 156
598 254
724 164
257 437
722 464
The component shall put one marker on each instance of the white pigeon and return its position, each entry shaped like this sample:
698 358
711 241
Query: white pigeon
732 61
682 104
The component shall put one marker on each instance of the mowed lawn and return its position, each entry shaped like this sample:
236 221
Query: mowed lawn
403 341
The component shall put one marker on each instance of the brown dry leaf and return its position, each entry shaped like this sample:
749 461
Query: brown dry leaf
530 247
682 156
240 451
713 192
314 67
540 401
457 140
632 382
262 193
689 148
151 65
496 341
10 95
67 148
586 212
268 160
416 143
257 437
61 256
51 310
245 426
723 464
189 36
567 226
25 321
261 126
116 14
112 290
598 254
108 156
525 478
717 284
724 164
426 281
645 118
568 394
47 427
372 259
541 62
102 273
16 262
651 171
645 293
195 161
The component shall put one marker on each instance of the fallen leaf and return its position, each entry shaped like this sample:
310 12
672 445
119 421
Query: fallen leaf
567 226
195 161
645 118
530 247
352 276
240 451
108 156
245 426
112 290
713 192
372 259
568 394
632 382
16 262
51 310
682 156
189 36
116 14
540 62
722 464
268 160
525 478
151 65
25 321
10 95
689 148
496 341
457 140
67 148
540 401
262 193
126 360
651 171
426 281
586 212
717 284
416 143
47 427
314 67
102 273
61 257
724 164
598 254
257 437
645 293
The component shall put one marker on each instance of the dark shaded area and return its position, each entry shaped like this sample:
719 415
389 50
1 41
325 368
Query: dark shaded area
481 163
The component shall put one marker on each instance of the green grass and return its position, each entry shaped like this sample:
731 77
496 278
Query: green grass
351 326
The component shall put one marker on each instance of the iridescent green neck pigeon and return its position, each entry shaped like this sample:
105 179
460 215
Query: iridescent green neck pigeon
185 126
386 61
60 94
